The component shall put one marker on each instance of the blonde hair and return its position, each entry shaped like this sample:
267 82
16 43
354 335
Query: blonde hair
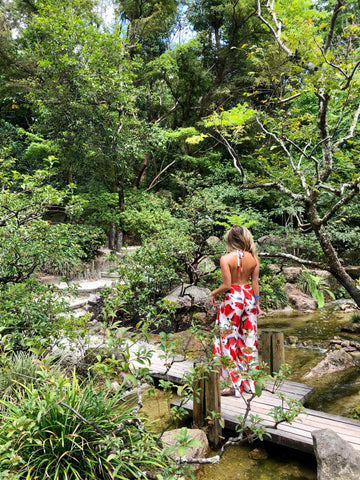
240 238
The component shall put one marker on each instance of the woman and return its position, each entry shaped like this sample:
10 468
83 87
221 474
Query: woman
236 321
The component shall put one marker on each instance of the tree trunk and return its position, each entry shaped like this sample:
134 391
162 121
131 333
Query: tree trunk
142 169
335 266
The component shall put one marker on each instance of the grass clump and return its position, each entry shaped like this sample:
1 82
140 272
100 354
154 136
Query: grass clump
59 429
355 318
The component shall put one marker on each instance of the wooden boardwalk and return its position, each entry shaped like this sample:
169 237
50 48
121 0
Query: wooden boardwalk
296 435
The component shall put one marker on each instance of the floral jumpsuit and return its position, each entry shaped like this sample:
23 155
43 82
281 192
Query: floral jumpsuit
236 336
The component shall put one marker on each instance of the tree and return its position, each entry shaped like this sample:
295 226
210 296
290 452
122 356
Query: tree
27 241
308 149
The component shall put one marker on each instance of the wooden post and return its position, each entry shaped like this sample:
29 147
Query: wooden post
278 350
206 399
199 399
273 353
213 404
266 349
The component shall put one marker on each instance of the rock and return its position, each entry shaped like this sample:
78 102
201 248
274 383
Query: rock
291 273
351 328
350 349
206 265
258 454
191 298
336 459
335 361
274 269
94 298
197 451
115 386
270 240
348 307
293 340
213 241
299 299
356 355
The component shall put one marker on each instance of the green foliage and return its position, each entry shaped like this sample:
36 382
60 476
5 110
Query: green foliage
316 286
30 314
27 242
237 220
355 318
88 238
272 290
62 429
184 441
22 369
147 215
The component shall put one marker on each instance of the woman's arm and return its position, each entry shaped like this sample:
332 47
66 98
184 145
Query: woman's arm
255 286
226 278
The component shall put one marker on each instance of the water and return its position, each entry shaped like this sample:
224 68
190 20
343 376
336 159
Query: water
337 393
260 463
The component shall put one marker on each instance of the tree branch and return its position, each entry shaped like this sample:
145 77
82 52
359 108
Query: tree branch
336 11
279 140
277 186
89 422
343 201
351 129
296 259
155 182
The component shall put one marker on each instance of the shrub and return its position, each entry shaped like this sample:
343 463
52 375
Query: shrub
30 314
63 430
272 291
89 239
314 285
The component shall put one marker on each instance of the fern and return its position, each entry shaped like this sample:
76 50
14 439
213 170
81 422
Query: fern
315 286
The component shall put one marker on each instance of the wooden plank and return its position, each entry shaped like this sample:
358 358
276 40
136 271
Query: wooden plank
295 435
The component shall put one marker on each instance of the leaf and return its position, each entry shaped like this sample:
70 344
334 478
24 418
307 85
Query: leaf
181 450
258 389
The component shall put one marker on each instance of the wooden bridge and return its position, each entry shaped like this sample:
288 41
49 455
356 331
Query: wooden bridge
296 435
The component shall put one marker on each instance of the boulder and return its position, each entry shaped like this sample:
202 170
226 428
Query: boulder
213 241
299 299
291 274
190 298
197 451
206 265
336 459
335 361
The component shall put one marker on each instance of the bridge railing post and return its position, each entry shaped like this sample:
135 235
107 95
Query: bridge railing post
272 348
207 399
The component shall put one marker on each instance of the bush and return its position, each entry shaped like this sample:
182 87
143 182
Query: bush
89 239
272 291
63 430
30 314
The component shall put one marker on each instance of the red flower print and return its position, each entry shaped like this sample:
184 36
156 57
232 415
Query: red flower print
235 320
228 310
247 325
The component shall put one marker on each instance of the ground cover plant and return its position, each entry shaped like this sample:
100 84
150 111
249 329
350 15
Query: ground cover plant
61 429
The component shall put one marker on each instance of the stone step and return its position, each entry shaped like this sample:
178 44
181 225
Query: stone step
80 312
85 287
110 274
77 303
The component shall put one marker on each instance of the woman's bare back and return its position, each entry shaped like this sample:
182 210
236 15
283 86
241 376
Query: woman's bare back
242 266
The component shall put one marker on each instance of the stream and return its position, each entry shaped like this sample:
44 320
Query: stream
336 393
